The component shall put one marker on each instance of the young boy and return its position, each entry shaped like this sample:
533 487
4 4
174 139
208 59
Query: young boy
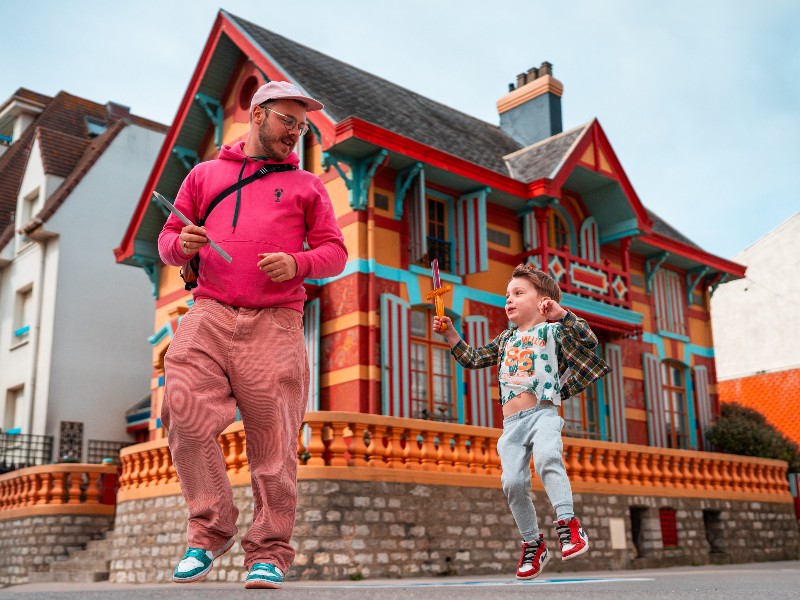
545 357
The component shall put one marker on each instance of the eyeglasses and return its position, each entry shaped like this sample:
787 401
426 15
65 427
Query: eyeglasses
289 121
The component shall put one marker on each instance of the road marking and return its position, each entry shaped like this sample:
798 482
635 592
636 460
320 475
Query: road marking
555 581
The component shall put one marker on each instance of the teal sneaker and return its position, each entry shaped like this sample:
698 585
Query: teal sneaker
197 563
264 575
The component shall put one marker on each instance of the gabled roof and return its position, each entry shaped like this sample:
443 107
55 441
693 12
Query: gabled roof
541 159
365 113
62 118
28 96
347 91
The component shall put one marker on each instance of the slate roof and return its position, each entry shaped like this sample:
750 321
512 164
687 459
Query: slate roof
348 91
541 159
664 228
57 127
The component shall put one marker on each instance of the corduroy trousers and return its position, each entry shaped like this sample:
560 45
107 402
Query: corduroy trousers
222 358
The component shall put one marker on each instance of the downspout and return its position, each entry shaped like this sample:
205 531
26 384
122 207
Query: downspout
372 407
35 330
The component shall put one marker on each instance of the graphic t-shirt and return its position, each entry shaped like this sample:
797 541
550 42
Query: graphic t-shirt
530 365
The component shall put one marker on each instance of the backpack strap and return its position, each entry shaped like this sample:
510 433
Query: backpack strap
266 169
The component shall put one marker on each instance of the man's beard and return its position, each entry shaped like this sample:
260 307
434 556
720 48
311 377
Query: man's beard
267 138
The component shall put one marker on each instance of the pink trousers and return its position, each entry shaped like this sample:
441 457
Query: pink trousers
222 358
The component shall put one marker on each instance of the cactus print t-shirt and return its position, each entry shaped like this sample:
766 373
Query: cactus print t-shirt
529 365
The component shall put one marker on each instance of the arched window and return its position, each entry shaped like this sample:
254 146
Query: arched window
676 416
432 371
581 415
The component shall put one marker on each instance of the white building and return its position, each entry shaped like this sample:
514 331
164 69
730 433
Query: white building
756 320
73 323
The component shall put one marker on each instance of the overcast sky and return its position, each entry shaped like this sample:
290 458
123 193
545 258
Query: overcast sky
700 99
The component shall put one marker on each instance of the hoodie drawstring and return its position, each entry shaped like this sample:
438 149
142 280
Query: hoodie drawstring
238 196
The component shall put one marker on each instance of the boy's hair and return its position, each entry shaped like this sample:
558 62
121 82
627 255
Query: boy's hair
541 281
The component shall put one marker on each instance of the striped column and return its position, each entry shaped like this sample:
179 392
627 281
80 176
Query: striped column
615 394
656 424
476 330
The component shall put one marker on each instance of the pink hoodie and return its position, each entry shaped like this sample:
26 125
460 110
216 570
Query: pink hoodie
276 213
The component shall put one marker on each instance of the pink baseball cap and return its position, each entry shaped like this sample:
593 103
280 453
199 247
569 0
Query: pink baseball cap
283 90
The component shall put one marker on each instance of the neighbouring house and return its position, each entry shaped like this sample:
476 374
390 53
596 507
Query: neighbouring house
73 324
755 322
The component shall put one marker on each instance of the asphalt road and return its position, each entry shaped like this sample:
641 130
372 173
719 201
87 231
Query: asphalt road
752 581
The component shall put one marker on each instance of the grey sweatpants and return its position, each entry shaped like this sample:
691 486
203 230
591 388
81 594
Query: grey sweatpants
534 431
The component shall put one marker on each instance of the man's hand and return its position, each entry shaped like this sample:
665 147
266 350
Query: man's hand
552 310
192 238
278 266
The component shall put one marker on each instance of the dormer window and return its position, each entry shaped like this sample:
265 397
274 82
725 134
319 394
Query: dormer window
94 128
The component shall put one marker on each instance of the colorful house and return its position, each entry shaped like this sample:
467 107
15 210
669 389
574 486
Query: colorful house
412 180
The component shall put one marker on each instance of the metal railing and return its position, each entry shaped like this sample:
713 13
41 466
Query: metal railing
21 450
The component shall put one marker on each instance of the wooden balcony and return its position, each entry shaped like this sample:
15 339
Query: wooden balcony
602 282
342 445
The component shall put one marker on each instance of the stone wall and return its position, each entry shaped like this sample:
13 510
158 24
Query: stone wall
364 529
30 544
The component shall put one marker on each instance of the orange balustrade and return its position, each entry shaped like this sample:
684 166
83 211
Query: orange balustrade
66 488
373 447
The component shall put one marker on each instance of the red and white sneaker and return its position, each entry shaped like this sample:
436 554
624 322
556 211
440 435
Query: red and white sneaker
573 538
534 557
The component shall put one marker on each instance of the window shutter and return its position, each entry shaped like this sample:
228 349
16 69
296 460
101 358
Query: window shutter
395 349
530 239
700 376
590 247
472 245
615 394
418 220
654 396
311 333
480 390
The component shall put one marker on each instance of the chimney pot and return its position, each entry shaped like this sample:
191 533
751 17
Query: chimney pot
522 79
546 68
533 73
511 87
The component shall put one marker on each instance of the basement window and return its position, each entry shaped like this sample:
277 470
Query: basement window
669 527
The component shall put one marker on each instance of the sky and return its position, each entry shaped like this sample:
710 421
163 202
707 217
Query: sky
700 99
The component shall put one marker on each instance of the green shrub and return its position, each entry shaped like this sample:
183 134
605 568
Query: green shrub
742 430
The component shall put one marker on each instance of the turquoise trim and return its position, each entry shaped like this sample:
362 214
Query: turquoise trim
402 183
22 331
723 279
361 174
187 157
160 381
602 405
673 336
461 392
533 203
657 341
690 350
215 112
651 267
158 423
152 269
602 310
691 417
6 138
692 284
417 270
626 228
166 330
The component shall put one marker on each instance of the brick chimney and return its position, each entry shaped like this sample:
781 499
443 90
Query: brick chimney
117 111
531 111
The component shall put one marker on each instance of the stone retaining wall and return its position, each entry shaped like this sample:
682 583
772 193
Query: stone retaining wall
31 544
365 529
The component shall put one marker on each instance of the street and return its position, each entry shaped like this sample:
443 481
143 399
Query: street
773 580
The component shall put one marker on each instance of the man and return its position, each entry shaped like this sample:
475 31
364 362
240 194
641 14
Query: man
241 343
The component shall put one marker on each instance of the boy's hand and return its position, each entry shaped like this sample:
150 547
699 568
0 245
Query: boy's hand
552 310
437 324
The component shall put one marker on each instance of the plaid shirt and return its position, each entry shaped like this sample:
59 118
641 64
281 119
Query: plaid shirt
578 365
